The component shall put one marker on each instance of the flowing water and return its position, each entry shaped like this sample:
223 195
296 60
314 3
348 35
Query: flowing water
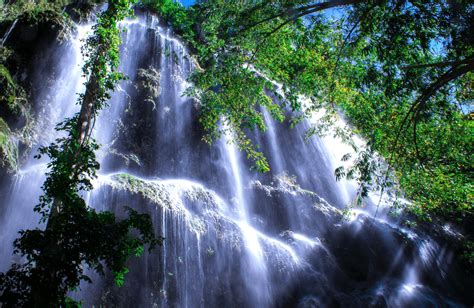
7 33
233 237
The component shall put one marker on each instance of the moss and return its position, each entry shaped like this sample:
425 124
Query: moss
12 105
12 94
5 75
5 53
191 203
468 254
149 190
32 10
35 10
149 83
8 148
127 158
283 183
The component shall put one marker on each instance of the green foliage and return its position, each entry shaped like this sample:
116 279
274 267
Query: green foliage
232 96
12 99
468 254
425 138
371 67
8 149
401 71
56 256
13 104
76 236
175 14
12 94
36 11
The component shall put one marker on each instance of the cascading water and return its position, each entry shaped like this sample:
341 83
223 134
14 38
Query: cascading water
7 34
233 237
52 103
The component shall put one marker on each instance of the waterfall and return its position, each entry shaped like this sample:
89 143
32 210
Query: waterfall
52 105
256 273
233 237
7 33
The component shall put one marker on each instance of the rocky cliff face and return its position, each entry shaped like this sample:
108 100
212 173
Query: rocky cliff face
27 65
30 45
233 237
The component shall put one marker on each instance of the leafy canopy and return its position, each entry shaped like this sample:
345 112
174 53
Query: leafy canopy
401 71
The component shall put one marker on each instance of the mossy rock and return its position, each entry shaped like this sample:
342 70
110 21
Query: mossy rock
81 11
148 82
10 91
8 148
14 109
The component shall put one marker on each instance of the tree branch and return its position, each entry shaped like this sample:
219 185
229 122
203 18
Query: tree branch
437 64
417 106
295 13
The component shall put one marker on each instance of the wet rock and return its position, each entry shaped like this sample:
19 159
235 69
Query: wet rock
148 83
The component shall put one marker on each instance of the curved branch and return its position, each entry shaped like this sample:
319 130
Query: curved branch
344 43
415 139
449 76
295 13
418 105
437 64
